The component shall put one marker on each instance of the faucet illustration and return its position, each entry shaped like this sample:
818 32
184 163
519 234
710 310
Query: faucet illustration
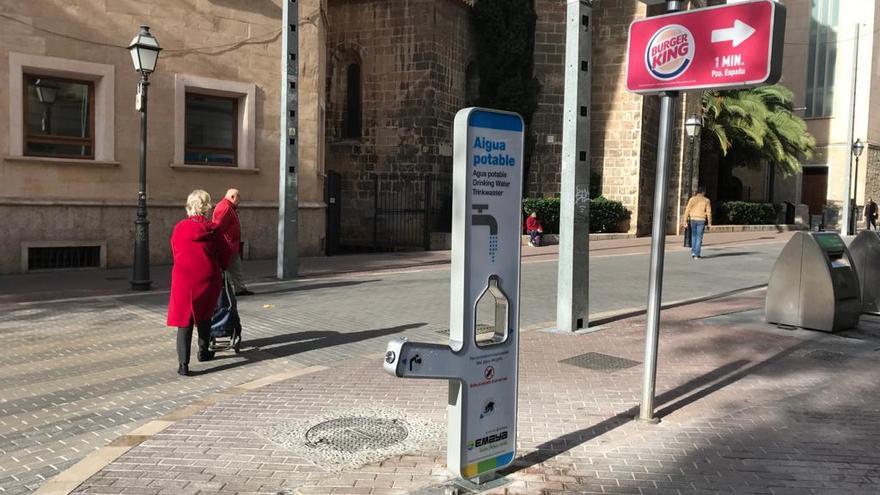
487 220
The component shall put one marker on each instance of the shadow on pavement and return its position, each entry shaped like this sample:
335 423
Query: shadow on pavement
296 343
323 285
725 255
684 394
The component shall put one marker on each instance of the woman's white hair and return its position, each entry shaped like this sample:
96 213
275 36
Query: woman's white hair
198 203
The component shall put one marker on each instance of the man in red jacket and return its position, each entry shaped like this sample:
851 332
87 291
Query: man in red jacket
226 217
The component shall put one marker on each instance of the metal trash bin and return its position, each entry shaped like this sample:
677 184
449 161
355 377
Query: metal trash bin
786 213
865 252
814 285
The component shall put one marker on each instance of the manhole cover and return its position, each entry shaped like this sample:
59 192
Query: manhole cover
346 439
358 433
600 362
828 356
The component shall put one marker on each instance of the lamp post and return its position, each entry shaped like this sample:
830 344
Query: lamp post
692 127
46 93
144 50
857 148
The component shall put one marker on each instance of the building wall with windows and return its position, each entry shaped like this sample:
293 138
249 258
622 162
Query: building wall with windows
818 66
69 149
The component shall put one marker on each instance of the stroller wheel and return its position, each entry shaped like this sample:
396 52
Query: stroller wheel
237 347
236 342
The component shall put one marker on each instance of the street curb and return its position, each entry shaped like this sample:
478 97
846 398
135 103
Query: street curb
68 480
612 316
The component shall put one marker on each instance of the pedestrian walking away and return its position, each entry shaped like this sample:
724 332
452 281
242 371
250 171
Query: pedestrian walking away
698 216
534 229
871 214
226 216
200 254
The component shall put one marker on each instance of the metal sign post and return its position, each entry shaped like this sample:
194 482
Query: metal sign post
572 292
288 181
734 45
480 360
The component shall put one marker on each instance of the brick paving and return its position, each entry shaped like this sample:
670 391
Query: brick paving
745 408
76 374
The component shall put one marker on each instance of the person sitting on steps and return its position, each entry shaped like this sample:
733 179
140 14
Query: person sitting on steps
534 229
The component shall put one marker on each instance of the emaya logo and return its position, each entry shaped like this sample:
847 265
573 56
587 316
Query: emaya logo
670 52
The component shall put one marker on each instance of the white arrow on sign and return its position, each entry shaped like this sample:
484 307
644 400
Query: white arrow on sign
737 34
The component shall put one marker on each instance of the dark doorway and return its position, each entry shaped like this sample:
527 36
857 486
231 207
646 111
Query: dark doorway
815 189
333 198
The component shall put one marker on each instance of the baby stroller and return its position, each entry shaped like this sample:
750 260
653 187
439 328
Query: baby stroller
225 324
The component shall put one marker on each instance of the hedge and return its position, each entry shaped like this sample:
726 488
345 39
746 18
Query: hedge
744 213
605 214
548 212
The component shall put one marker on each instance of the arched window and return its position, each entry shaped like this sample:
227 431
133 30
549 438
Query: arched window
352 123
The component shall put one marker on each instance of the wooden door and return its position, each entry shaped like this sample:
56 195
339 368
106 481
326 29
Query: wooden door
814 192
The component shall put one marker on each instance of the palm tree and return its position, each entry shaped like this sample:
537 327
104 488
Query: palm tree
750 127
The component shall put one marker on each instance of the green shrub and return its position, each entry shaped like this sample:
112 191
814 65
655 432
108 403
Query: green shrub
605 214
744 213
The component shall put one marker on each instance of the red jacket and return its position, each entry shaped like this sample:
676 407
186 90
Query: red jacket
200 256
532 224
226 217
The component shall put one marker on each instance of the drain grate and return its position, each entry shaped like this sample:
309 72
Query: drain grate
600 362
358 433
827 356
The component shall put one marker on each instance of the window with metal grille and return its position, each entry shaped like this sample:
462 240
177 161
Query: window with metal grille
61 258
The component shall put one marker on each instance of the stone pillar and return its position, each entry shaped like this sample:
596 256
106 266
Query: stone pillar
312 98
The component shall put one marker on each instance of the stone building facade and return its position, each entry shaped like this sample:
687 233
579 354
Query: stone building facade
396 77
380 82
219 72
832 73
623 133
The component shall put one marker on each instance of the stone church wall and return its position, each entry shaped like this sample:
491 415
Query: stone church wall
413 55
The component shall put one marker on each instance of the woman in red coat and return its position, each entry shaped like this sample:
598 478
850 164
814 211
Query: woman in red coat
200 256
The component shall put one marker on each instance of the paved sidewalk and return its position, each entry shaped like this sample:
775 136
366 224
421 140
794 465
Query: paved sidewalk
78 373
90 283
745 408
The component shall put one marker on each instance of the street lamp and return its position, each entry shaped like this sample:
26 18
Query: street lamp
144 50
692 126
46 93
857 148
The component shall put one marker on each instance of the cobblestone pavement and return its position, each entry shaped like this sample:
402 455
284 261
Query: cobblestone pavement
745 408
74 375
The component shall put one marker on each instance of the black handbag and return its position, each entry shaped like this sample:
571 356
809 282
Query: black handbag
687 235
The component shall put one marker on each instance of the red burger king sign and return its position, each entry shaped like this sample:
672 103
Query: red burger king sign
726 46
670 52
